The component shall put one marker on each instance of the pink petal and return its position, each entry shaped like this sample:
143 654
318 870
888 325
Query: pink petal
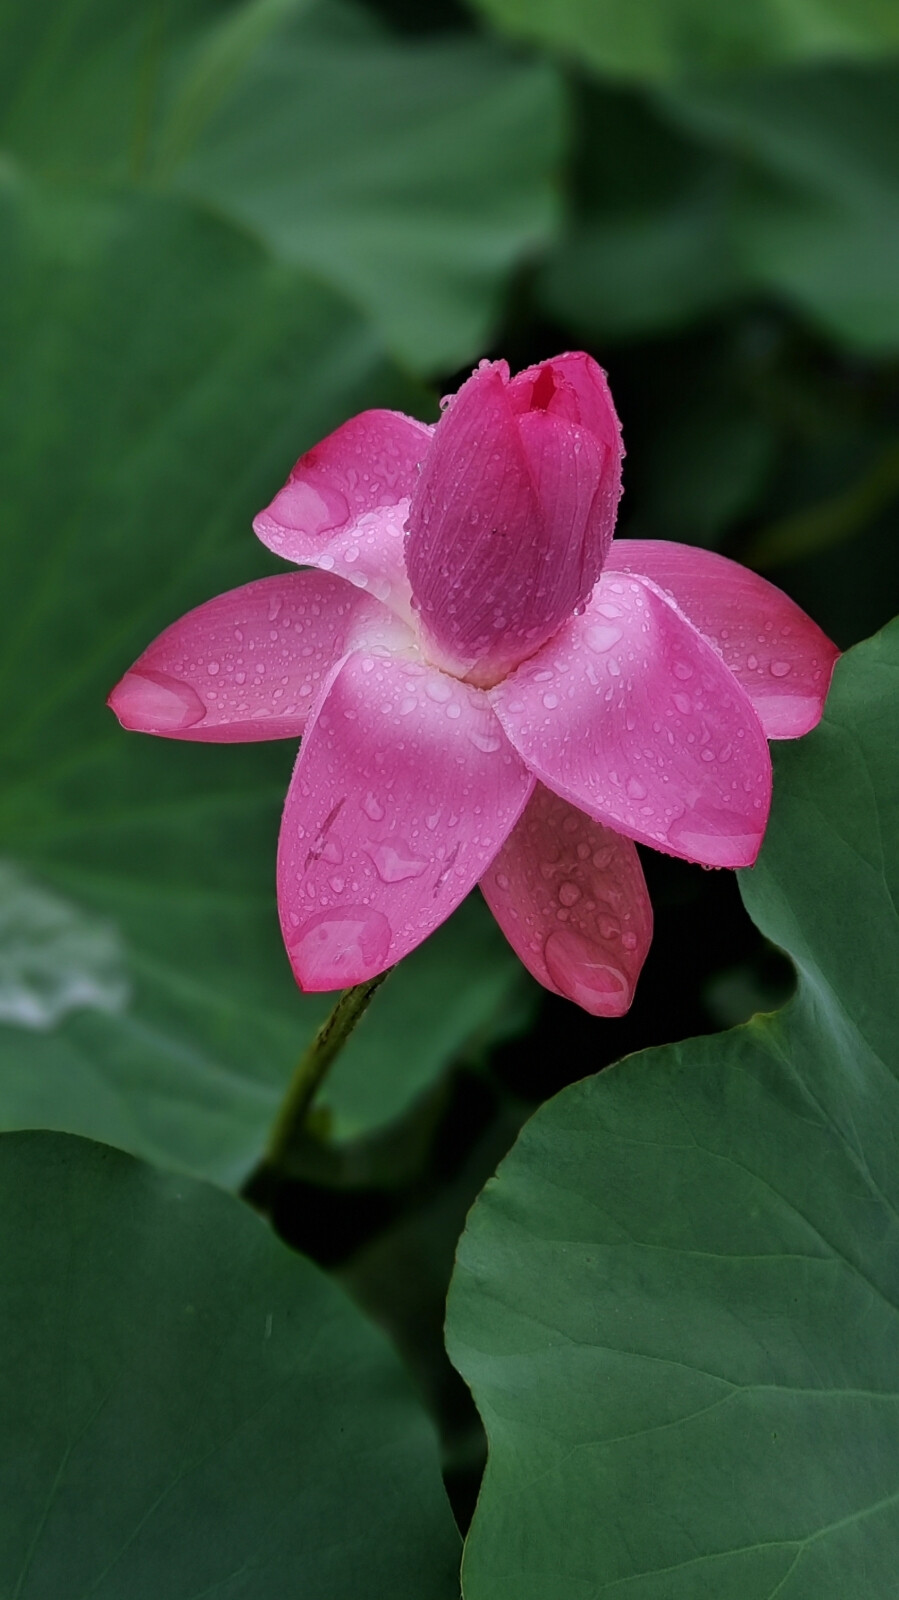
571 386
777 653
404 790
513 513
632 716
571 898
345 503
249 664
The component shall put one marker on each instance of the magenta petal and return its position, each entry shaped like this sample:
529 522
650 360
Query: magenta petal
777 653
571 386
513 514
571 898
632 716
404 790
249 664
344 506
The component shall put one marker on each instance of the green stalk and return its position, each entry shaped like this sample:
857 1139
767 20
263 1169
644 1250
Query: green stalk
312 1069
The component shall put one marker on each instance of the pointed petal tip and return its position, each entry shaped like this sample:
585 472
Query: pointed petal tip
580 972
778 655
154 702
404 789
716 839
571 898
338 947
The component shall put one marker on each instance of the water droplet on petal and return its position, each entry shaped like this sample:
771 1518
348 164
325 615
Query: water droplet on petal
488 742
338 947
600 639
581 971
569 894
716 837
372 807
438 689
155 702
396 862
780 669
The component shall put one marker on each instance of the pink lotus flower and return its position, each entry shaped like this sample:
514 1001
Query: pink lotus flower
489 690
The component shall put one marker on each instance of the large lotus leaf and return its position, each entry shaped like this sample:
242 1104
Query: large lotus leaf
160 375
413 175
815 215
669 38
782 184
186 1409
678 1302
648 245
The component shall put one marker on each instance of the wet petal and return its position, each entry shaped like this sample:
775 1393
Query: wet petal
249 664
632 716
573 386
571 898
404 790
511 518
779 655
344 506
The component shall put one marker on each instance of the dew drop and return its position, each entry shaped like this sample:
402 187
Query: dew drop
780 669
396 862
336 948
151 702
372 807
488 742
601 639
716 837
438 689
569 894
581 971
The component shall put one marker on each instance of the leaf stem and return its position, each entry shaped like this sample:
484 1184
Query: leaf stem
313 1067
